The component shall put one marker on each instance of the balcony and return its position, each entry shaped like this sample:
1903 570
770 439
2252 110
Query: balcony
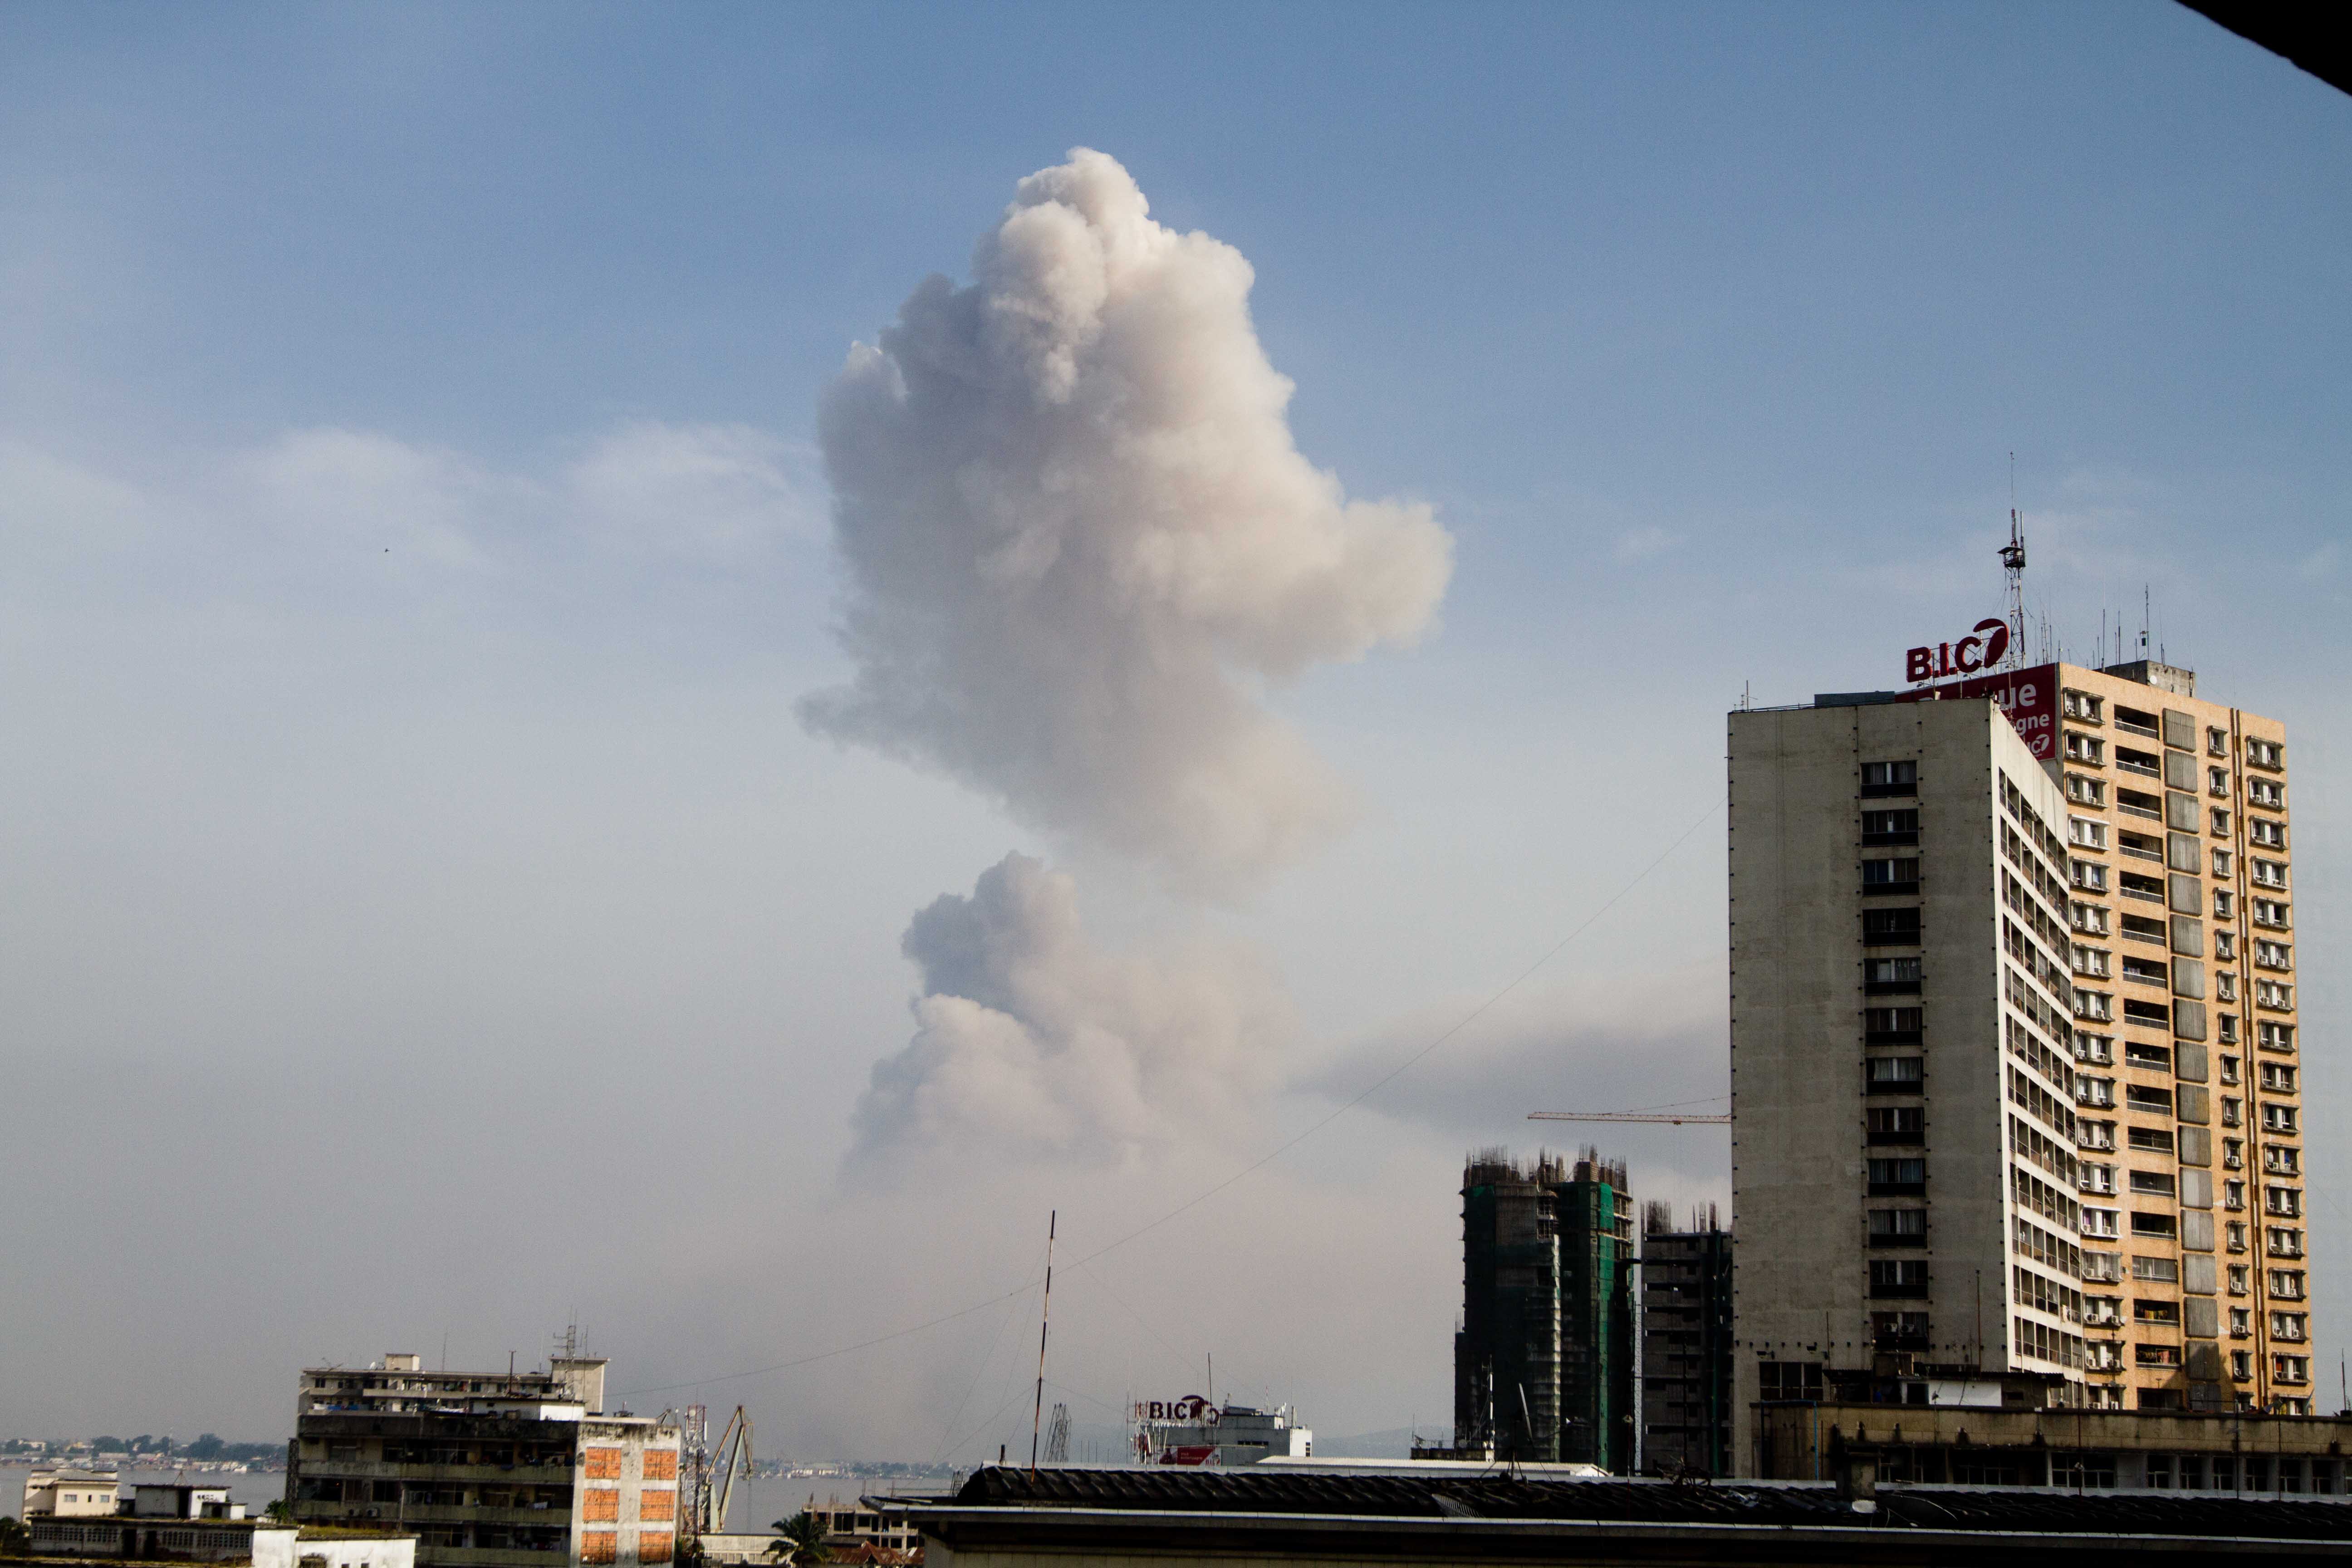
501 1475
2137 724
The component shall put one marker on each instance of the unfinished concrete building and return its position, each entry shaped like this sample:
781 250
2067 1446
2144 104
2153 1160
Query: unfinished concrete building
1543 1364
1685 1344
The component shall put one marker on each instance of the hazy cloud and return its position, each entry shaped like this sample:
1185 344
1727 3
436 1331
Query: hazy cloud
1077 531
1033 1045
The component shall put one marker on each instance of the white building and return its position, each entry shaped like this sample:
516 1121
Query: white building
1193 1431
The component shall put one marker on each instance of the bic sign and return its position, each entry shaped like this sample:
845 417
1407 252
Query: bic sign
1981 650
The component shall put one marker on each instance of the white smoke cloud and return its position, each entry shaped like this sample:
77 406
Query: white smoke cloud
1076 534
1034 1042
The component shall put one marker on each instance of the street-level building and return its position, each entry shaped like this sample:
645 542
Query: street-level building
489 1470
1441 1517
64 1492
2015 1055
2238 1454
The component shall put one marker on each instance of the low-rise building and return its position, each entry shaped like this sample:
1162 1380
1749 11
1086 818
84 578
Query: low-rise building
64 1493
1266 1516
128 1535
182 1499
331 1546
858 1522
1972 1440
490 1469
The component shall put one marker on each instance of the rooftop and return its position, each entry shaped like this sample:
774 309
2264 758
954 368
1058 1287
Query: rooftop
1439 1514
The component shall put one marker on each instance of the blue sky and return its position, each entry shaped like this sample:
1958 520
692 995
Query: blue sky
351 762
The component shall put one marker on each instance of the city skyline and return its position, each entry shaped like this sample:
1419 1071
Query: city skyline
433 912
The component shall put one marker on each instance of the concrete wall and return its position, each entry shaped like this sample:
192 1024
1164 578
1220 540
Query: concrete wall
625 1501
296 1547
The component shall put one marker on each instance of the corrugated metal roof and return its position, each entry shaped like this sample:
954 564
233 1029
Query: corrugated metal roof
1502 1497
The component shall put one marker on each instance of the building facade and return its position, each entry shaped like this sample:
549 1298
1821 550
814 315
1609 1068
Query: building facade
63 1492
489 1470
2187 1043
1543 1364
1685 1296
2012 1031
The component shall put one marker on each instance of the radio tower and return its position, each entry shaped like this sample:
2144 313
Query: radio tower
2013 561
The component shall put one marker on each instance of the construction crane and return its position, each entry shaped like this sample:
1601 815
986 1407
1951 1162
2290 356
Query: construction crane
1676 1118
729 1463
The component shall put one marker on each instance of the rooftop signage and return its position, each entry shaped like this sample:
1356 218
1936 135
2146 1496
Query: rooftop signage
1192 1407
2030 698
1979 650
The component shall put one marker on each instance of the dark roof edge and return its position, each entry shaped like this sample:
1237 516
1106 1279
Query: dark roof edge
1062 1519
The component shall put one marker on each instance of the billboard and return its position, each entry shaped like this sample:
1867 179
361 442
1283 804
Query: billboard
2030 698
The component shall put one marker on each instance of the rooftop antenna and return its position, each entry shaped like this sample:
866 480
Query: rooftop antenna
2013 561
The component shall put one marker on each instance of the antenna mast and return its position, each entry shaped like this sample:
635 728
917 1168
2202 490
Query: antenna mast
2013 561
1045 1315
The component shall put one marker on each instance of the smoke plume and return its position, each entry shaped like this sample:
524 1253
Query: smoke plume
1076 532
1030 1038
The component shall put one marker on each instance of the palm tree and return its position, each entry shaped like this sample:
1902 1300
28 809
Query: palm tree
800 1539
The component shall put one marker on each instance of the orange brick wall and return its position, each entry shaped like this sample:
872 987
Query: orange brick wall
604 1464
601 1505
652 1546
661 1465
657 1504
599 1546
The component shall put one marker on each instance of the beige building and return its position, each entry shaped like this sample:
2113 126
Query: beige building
2014 1063
2186 1043
67 1493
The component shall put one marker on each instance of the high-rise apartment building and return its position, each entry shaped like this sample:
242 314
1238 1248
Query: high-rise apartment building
1543 1364
1685 1289
2014 1059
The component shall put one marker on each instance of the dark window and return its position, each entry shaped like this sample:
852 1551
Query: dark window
1886 928
2155 1140
1899 1330
1896 1178
1891 826
1894 1074
2153 1223
1894 1025
1891 975
2139 1097
1897 1124
1890 778
1898 1227
1786 1380
1898 1277
1890 875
